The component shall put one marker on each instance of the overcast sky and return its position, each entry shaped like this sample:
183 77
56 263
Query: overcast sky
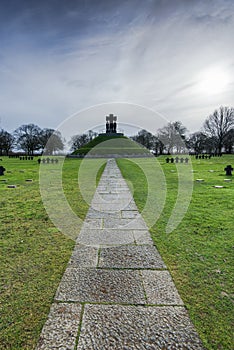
59 57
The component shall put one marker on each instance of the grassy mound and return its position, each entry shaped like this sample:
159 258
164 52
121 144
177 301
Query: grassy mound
112 146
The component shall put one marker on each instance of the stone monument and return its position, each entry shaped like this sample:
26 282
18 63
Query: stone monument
111 126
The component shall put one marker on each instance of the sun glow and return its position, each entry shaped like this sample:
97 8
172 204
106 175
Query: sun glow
213 81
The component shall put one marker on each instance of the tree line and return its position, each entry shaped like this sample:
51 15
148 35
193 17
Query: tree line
217 135
31 138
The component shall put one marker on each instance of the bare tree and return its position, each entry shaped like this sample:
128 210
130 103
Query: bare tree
157 145
51 141
92 134
218 125
145 138
28 138
173 136
6 142
229 141
78 141
197 142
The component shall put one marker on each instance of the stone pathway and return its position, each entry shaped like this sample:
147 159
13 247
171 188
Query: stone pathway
116 292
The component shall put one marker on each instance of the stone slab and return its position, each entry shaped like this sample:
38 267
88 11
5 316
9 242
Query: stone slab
109 207
131 256
160 288
126 224
93 223
121 189
84 256
99 285
61 328
118 327
110 197
142 237
105 237
130 214
130 206
94 214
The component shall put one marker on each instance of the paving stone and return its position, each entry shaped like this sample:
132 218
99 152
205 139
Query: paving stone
131 256
130 206
84 256
99 285
122 188
126 224
93 223
60 330
105 237
93 214
160 288
109 207
107 327
130 214
142 237
113 197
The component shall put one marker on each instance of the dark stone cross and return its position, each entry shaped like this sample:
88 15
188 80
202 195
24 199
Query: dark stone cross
2 169
229 170
111 124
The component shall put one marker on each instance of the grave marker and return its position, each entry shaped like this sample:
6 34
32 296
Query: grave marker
228 170
2 170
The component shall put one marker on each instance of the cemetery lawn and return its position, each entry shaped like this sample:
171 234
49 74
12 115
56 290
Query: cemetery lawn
199 252
34 254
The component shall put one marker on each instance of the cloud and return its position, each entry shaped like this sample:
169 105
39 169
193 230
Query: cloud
59 59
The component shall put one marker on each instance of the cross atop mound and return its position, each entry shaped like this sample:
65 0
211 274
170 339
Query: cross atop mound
111 124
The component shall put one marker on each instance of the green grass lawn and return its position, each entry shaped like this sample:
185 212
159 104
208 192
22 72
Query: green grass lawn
199 252
34 254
